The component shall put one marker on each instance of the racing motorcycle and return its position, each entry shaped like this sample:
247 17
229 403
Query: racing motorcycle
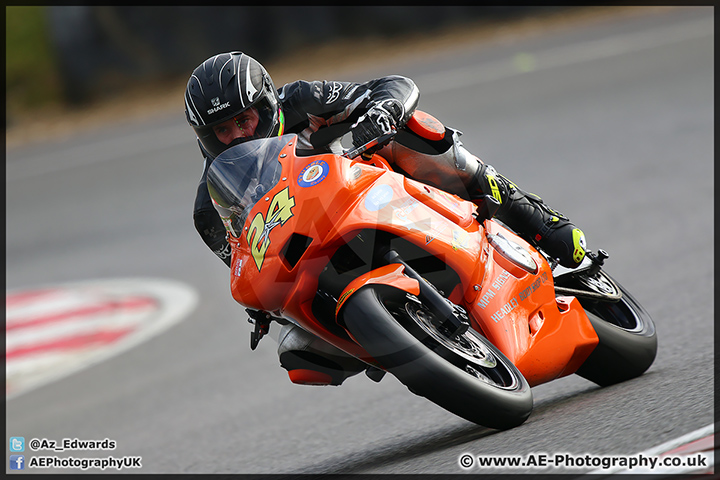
418 282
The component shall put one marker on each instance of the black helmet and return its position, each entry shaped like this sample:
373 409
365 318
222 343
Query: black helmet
224 86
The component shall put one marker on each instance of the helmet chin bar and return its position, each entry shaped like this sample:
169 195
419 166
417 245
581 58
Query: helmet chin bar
240 140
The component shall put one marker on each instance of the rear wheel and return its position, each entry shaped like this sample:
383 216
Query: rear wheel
466 375
628 342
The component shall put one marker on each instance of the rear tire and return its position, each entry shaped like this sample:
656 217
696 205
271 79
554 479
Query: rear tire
467 376
628 341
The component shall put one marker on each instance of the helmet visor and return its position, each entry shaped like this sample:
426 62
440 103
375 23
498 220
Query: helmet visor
263 119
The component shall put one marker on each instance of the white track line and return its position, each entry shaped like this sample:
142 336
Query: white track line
666 447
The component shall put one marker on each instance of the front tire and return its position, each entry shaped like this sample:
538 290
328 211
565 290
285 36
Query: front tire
467 376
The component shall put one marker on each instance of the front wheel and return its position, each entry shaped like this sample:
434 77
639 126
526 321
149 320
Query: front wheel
466 375
628 342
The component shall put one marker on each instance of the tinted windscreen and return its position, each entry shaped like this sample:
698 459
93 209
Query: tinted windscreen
241 175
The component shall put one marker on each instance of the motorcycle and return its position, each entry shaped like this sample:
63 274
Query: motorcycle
418 282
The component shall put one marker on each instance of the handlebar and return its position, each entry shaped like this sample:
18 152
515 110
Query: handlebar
375 143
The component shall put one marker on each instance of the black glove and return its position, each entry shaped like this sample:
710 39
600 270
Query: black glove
378 120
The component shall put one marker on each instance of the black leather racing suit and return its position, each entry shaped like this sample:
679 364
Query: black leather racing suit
326 107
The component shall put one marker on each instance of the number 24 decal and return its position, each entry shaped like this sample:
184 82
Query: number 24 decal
258 236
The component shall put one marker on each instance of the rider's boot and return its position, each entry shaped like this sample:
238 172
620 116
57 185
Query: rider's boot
531 218
310 360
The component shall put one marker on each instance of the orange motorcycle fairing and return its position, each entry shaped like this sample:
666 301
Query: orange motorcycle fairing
322 202
391 271
544 336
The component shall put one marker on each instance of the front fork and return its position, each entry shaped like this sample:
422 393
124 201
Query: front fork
452 318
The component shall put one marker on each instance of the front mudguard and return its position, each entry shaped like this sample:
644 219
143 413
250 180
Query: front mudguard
391 275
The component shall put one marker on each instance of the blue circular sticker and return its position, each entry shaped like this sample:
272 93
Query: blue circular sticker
378 197
313 174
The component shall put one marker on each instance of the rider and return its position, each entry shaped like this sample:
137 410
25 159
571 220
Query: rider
230 98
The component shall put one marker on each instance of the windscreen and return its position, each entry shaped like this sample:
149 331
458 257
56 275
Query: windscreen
241 175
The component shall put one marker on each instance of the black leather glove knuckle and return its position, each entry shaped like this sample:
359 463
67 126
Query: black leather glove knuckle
377 121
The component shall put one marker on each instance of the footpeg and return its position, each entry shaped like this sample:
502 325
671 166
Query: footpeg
261 320
598 259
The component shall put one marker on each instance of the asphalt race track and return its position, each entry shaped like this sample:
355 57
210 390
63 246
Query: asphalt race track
610 122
